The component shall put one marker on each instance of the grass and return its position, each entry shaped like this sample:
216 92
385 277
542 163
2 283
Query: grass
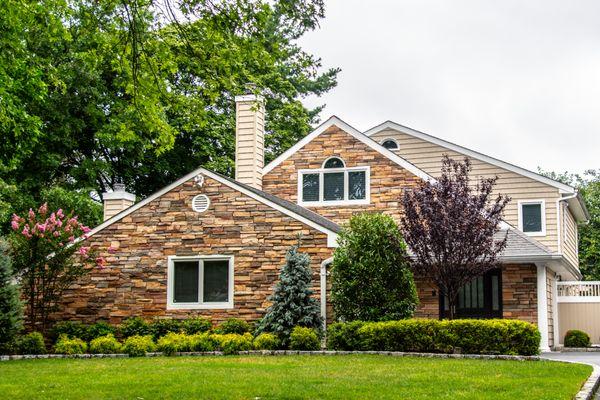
289 377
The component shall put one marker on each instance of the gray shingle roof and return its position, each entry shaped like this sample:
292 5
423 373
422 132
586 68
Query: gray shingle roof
295 208
519 245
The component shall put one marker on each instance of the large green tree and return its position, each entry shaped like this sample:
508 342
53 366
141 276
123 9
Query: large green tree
141 91
588 185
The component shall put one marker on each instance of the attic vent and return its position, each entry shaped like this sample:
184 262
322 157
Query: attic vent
200 203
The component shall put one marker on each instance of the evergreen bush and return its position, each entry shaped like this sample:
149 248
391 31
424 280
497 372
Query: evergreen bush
97 330
138 346
192 326
303 338
11 309
68 345
371 279
293 301
234 325
266 341
577 338
134 326
162 326
105 345
32 343
73 329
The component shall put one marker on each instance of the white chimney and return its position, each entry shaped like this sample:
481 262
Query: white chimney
117 201
249 139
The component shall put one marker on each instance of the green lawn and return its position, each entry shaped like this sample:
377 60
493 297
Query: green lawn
289 377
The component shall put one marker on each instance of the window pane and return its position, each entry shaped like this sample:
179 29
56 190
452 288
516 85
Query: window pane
390 144
480 291
333 186
185 282
461 298
495 294
310 187
334 163
357 185
532 217
216 281
468 295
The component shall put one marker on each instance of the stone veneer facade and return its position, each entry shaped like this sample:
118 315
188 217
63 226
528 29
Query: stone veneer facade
134 282
388 180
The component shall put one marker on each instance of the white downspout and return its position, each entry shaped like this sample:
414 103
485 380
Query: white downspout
323 282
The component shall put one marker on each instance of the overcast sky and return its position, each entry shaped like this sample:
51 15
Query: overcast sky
517 80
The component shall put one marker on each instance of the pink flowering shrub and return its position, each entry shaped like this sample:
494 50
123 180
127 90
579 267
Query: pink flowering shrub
49 254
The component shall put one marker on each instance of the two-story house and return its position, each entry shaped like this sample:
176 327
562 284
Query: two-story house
211 245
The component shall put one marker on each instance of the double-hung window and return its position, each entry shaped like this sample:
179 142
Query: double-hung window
532 219
200 282
333 184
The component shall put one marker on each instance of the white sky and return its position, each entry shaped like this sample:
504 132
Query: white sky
517 80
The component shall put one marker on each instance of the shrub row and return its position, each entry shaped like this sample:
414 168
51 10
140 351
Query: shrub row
577 338
431 336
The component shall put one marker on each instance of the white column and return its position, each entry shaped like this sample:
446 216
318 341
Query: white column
323 282
557 338
542 307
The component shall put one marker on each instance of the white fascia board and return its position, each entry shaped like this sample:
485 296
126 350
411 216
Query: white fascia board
335 121
331 236
118 196
471 153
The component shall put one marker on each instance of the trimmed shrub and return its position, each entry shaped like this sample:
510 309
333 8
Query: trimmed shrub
234 325
105 345
293 300
433 336
72 329
577 338
135 326
192 326
343 336
32 343
97 330
203 342
372 246
138 346
231 343
68 345
266 341
303 338
173 343
162 326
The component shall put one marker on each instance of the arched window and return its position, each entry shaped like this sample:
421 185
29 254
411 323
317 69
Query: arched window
334 184
390 144
334 162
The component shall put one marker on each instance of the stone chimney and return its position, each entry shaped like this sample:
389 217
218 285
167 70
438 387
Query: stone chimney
249 139
117 200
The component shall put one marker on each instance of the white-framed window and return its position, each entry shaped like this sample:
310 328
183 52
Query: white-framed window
334 184
390 144
200 282
532 217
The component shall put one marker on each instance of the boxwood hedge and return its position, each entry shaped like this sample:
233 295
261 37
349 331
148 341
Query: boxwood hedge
468 336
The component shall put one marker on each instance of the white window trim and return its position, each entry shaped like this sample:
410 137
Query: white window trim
345 202
329 158
198 305
520 205
393 140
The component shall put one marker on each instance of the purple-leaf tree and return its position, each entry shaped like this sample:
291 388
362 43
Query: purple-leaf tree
48 257
449 226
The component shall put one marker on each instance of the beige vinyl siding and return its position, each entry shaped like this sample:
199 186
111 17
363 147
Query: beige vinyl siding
428 156
249 155
569 235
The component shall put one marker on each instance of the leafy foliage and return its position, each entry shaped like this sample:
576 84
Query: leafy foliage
138 346
73 329
266 341
234 325
432 336
134 326
303 338
232 343
48 259
449 225
95 93
11 309
371 246
69 345
172 343
105 345
293 303
32 343
162 326
577 338
196 325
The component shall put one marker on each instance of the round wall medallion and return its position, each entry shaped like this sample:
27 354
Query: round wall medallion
200 203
